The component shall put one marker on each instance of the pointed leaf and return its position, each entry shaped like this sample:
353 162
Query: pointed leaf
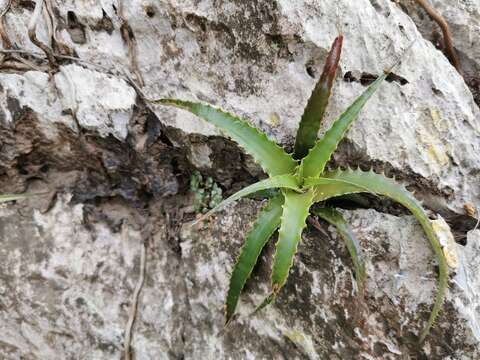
295 212
313 113
267 222
267 301
280 181
316 160
335 218
271 157
381 185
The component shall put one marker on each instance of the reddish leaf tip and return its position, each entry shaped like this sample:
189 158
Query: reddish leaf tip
333 59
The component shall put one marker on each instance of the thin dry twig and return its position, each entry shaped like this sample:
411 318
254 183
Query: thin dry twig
123 73
32 33
41 56
23 64
314 222
6 9
3 34
129 39
14 54
19 66
133 310
48 20
57 40
6 42
29 64
447 36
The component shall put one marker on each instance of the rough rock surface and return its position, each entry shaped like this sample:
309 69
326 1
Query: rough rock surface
320 313
98 101
463 18
70 263
66 289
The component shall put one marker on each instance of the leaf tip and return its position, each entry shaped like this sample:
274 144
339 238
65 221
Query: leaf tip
267 301
229 319
333 58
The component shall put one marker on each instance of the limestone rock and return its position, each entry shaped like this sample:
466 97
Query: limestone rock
463 20
70 264
424 124
98 101
33 91
66 290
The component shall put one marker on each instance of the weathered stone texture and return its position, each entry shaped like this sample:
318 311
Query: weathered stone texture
69 264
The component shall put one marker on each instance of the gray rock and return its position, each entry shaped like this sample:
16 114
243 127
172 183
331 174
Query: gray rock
66 287
33 91
69 270
66 290
463 20
256 68
98 101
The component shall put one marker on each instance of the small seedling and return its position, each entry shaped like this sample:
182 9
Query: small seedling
303 181
206 193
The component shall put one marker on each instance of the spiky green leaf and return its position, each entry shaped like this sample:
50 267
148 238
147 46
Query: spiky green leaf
295 212
335 218
382 185
271 157
266 224
279 181
316 160
315 109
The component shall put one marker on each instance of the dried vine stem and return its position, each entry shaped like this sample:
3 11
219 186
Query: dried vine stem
24 65
40 56
447 36
115 71
129 39
3 34
133 310
56 37
32 33
316 224
20 65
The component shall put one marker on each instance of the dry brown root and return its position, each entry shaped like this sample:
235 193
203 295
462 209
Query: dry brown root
22 66
447 36
32 33
18 63
316 224
57 42
7 44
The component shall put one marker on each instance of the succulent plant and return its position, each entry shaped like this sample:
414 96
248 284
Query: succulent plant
206 193
305 185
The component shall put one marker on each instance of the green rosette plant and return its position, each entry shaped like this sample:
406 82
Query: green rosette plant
303 181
